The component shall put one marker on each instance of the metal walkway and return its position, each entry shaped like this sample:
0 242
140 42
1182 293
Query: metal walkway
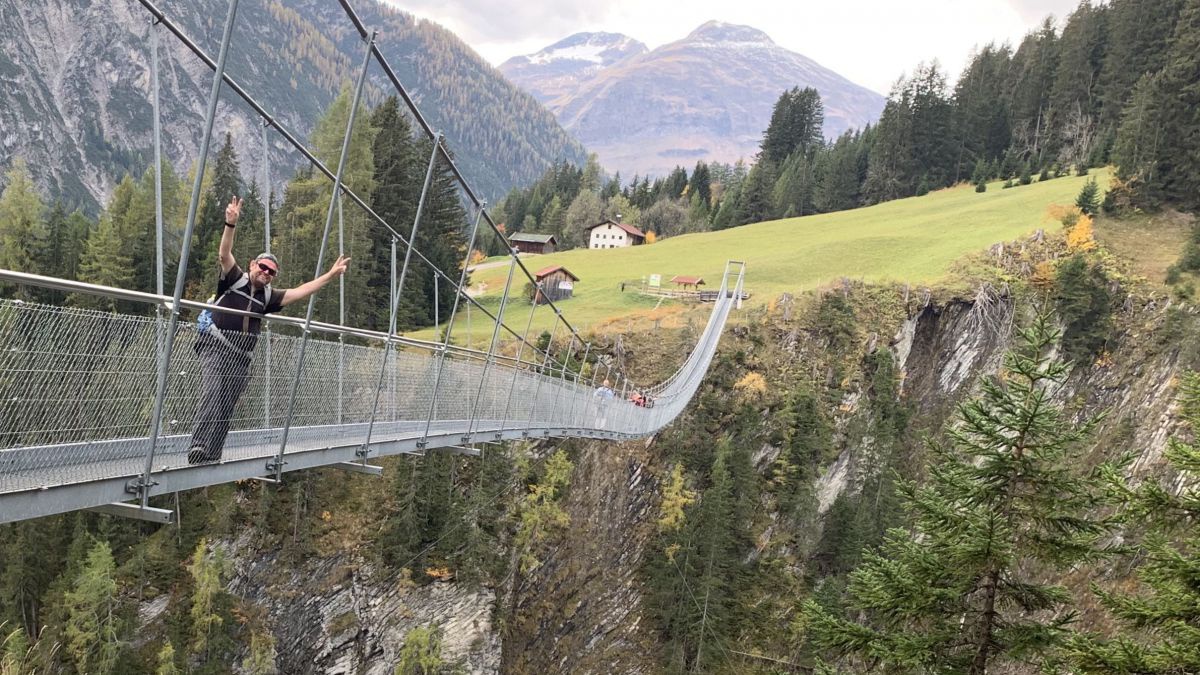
98 407
77 391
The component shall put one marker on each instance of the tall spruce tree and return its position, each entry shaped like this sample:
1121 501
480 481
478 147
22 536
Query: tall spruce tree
1031 79
303 214
981 109
398 179
964 590
93 625
224 182
1157 622
1166 108
795 125
1075 95
756 203
701 184
21 227
1138 36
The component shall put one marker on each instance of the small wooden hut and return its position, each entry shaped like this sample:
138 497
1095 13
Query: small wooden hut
553 283
528 242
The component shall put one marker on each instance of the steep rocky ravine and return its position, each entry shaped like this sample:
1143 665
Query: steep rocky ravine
583 608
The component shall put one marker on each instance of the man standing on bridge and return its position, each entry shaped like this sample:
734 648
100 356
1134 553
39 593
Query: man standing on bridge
226 341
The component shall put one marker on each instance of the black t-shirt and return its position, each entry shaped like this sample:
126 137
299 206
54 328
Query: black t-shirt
246 298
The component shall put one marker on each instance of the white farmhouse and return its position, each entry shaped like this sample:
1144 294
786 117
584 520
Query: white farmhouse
609 234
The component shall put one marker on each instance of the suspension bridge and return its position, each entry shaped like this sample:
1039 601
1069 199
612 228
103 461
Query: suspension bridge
97 408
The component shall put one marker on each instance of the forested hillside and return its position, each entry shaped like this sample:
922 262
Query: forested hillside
75 89
1114 83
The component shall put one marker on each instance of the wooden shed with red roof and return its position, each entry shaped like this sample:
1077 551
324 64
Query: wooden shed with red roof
611 234
554 283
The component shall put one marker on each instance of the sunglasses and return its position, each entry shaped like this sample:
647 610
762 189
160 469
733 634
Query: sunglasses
268 270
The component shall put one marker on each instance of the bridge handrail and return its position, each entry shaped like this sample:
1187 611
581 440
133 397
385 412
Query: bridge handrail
165 301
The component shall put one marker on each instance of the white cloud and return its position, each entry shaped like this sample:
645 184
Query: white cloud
871 42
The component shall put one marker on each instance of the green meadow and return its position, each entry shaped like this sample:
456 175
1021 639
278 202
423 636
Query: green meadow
912 240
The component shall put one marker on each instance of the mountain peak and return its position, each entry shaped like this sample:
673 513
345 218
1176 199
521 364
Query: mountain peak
559 67
719 31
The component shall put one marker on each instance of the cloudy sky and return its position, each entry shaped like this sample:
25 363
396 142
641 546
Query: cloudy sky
869 41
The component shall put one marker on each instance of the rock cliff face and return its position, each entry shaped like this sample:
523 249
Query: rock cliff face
340 616
580 611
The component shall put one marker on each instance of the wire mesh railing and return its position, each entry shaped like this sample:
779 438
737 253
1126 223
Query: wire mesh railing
77 393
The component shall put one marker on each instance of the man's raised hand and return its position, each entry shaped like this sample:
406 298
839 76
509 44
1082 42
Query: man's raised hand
339 266
233 211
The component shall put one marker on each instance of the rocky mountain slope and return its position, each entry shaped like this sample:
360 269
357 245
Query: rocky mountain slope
562 67
75 83
708 96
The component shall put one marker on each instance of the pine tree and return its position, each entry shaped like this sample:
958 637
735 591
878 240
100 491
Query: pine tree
421 653
963 591
728 212
107 260
585 210
1074 97
981 119
1085 305
1026 174
795 126
794 191
225 182
701 184
261 658
92 630
541 512
675 183
841 183
206 573
397 184
1138 35
1157 634
21 228
300 225
756 203
1157 143
1031 78
1088 200
166 660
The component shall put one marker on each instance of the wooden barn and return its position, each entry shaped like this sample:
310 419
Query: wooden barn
554 283
528 242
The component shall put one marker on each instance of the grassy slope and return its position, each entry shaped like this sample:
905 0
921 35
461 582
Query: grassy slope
912 240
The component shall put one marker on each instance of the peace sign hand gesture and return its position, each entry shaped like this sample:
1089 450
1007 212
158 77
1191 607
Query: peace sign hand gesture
339 266
233 211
